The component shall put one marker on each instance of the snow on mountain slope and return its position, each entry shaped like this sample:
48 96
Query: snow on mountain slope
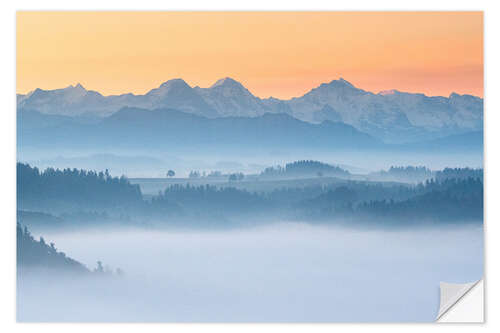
231 98
71 100
391 115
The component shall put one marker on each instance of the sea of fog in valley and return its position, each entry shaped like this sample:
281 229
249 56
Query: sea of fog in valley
281 272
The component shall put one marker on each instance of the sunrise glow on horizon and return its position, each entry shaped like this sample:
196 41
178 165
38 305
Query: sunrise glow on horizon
279 54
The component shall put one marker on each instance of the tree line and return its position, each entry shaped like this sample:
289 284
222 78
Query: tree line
205 198
79 188
459 173
454 194
451 199
305 168
414 174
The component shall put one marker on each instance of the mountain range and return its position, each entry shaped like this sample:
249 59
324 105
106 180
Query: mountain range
391 116
173 130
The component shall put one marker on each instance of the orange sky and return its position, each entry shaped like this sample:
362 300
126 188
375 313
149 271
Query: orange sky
280 54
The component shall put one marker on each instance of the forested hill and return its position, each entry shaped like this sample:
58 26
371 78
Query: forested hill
73 188
304 169
450 200
457 200
38 254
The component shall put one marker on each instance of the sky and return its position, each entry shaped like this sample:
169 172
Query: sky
279 54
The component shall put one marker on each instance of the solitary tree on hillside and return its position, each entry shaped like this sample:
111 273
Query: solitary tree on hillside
100 268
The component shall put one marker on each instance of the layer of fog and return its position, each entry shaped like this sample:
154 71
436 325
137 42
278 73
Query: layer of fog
156 164
280 273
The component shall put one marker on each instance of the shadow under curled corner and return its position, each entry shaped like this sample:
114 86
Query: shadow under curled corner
461 302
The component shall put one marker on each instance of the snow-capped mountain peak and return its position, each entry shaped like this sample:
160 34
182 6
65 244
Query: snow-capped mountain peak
78 86
388 92
344 82
167 88
227 82
230 98
171 84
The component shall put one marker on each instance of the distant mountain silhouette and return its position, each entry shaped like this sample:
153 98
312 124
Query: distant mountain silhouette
466 142
392 116
172 129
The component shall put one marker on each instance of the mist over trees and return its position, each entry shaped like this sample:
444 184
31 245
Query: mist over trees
96 198
235 177
403 173
364 191
304 169
447 200
459 173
